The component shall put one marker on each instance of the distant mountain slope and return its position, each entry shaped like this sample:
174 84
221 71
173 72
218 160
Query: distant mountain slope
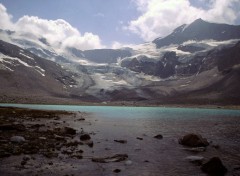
24 73
197 64
200 30
101 55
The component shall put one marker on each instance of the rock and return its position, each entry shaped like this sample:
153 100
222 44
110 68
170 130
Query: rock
117 170
70 131
17 139
89 143
193 140
67 152
159 136
198 160
214 167
73 143
4 154
26 158
81 119
42 138
115 158
128 162
78 156
17 127
85 137
121 141
139 138
23 163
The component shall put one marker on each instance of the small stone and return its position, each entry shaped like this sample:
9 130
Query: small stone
17 139
139 138
85 137
26 158
128 162
70 131
159 136
117 170
214 167
42 138
23 163
89 143
121 141
81 119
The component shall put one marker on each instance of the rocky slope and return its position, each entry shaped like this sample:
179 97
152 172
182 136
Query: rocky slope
197 63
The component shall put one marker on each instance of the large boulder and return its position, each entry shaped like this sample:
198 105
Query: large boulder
193 140
214 167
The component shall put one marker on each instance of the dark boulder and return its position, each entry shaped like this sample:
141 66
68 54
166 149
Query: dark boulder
159 136
193 140
69 131
85 137
214 167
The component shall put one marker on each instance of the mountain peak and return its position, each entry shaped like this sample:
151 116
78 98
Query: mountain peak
200 30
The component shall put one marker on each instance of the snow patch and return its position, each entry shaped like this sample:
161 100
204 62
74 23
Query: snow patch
26 56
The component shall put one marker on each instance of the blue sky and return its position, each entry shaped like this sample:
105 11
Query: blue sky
124 21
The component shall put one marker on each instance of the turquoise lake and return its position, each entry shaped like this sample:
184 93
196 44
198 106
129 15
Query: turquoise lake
135 112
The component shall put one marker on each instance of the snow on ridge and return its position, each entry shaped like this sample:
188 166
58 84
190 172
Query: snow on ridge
14 58
185 27
40 70
26 56
3 58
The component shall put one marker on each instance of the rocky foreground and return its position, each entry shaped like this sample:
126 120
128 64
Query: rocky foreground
34 142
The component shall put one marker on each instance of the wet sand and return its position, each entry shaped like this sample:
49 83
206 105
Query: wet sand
146 154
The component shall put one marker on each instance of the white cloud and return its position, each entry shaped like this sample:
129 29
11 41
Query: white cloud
59 33
160 17
5 22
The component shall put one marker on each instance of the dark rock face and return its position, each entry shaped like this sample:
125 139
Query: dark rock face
101 55
193 140
163 68
229 57
199 30
214 167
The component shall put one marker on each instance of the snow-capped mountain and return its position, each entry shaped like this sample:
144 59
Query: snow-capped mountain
197 63
200 30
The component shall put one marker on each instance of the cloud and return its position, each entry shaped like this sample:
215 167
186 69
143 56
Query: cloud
159 17
5 22
59 33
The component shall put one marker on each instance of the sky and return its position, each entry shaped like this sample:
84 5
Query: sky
90 24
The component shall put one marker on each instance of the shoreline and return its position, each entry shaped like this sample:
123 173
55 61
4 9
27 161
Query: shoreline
53 144
131 104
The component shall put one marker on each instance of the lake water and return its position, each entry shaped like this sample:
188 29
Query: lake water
108 123
135 112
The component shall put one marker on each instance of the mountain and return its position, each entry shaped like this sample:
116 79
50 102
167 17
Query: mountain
101 55
24 74
200 30
197 64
